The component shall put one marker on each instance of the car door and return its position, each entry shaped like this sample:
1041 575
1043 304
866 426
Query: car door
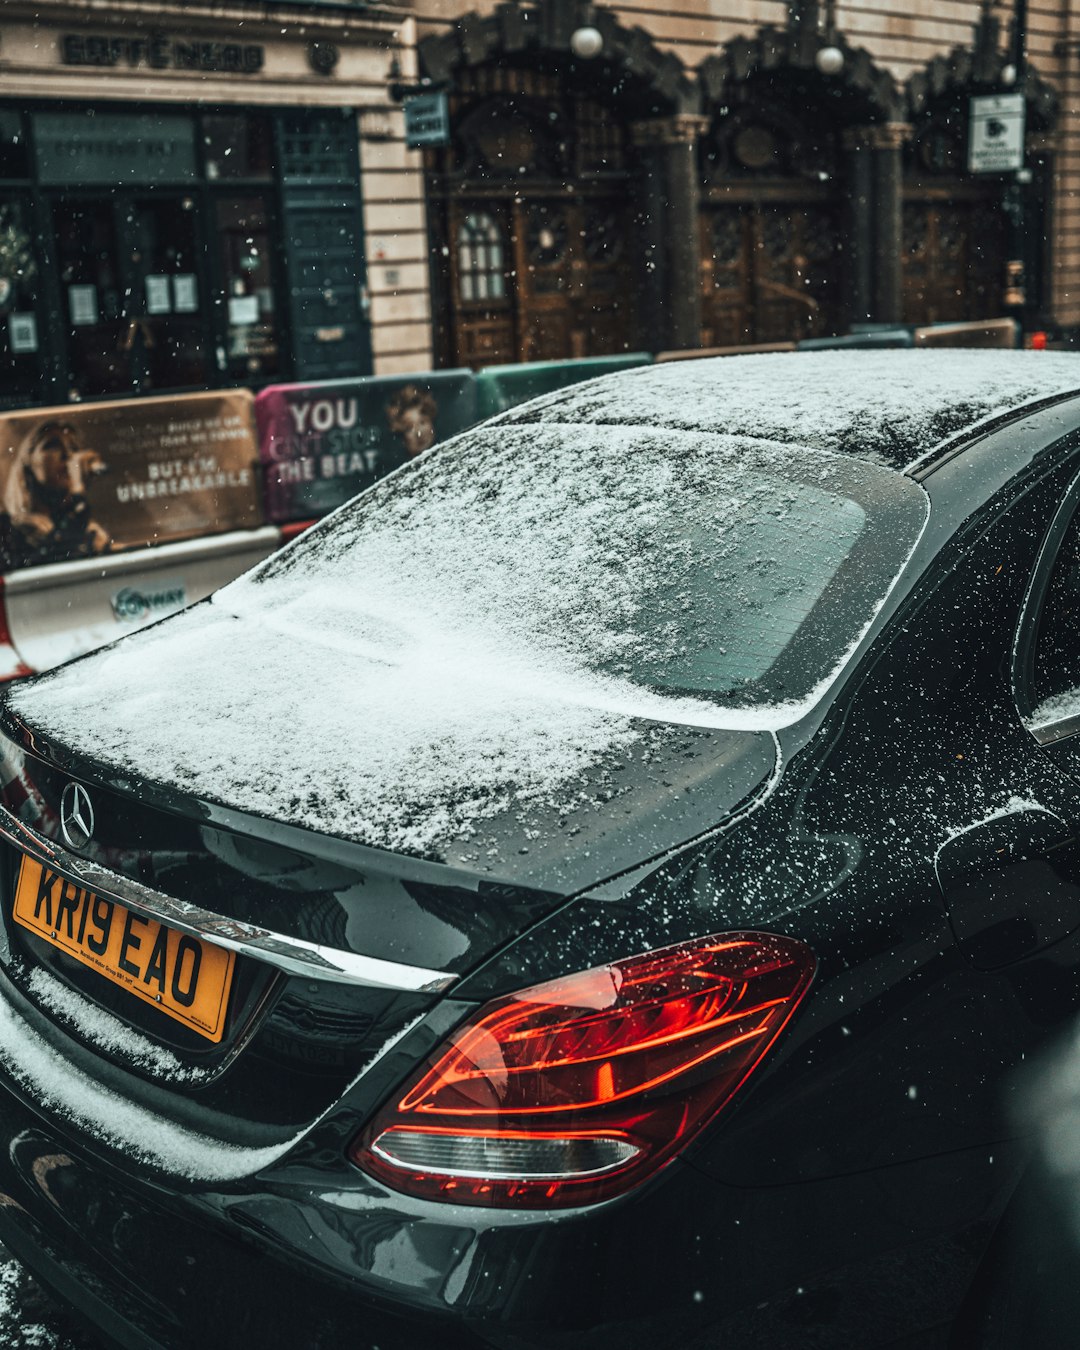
949 935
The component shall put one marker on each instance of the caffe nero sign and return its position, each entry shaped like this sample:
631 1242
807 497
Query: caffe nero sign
161 53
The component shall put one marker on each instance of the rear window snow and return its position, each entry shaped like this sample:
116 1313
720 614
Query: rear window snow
484 629
891 407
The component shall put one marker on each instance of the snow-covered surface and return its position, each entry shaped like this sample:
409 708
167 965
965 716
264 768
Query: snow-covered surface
1013 806
30 1319
888 406
107 1032
56 1084
466 638
1057 708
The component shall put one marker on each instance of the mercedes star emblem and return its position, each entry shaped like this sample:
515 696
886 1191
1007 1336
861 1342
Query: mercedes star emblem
76 816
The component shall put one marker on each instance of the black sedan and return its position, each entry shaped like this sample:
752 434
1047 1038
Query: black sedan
588 891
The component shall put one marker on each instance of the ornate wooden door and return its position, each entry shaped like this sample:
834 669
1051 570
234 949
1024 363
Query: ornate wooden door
953 259
538 278
575 294
530 206
770 272
483 323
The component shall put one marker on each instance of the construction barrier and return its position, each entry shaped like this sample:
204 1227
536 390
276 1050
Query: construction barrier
877 337
91 479
980 333
85 490
321 444
502 387
62 610
695 353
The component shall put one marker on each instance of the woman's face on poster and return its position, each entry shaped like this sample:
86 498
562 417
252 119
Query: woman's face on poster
417 430
50 461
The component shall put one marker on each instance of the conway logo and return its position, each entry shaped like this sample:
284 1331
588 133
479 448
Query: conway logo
134 606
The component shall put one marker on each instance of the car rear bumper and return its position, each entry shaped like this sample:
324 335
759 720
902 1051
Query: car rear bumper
312 1255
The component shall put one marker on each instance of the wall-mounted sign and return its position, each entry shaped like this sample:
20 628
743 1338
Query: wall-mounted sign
996 133
22 333
161 53
112 148
82 306
185 293
427 120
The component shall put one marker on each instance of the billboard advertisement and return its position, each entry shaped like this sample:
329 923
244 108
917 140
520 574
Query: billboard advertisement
321 444
85 480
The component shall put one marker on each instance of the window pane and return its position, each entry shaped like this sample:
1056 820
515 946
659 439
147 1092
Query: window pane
1057 651
238 146
14 152
480 258
244 234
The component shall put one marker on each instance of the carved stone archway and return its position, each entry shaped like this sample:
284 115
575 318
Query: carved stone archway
970 241
800 218
563 211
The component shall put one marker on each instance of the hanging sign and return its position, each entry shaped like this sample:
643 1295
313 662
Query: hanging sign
996 133
427 120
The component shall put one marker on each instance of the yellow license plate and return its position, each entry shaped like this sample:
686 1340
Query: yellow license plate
183 976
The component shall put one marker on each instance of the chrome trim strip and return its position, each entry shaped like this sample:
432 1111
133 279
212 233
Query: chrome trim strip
293 955
1047 733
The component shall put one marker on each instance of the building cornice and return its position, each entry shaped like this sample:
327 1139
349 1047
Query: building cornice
254 18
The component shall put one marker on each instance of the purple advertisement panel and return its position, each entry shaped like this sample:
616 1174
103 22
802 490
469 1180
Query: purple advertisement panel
321 444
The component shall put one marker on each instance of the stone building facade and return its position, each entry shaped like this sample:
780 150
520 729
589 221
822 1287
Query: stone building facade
200 193
193 194
721 173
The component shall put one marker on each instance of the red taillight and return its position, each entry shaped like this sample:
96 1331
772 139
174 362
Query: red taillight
577 1089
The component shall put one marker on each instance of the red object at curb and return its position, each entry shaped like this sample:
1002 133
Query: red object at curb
293 528
12 666
1038 342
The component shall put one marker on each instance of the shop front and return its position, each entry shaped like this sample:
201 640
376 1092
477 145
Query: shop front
145 251
181 200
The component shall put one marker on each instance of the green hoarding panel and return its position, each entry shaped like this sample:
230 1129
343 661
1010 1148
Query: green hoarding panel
502 387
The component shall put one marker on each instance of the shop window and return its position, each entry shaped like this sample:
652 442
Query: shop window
129 273
19 335
480 258
14 151
238 146
252 346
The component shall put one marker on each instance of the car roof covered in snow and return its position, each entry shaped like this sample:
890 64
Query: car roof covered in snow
889 407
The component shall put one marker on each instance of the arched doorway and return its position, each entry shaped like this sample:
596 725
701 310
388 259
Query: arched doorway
534 215
772 230
955 224
780 226
535 207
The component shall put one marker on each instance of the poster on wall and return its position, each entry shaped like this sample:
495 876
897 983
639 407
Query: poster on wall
22 333
321 444
79 482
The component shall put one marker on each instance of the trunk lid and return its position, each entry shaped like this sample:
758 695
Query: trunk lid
293 1042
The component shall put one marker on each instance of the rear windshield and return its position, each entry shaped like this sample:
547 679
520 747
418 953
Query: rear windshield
728 568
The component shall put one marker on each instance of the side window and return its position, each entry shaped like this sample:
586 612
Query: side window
1051 702
1056 666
